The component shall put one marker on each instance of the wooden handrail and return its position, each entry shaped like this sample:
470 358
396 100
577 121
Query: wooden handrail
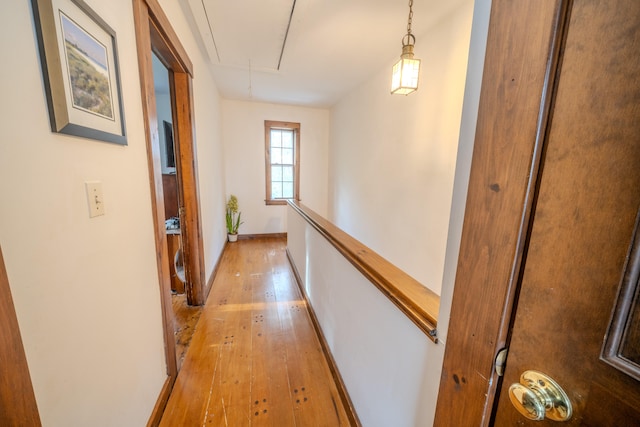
418 303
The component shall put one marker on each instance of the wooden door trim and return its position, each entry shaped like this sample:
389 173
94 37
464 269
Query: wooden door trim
522 58
143 42
17 398
153 31
192 246
168 42
165 43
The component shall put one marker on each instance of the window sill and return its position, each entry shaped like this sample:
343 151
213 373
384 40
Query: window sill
275 202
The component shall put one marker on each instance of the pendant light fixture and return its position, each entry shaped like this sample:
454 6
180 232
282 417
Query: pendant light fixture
404 78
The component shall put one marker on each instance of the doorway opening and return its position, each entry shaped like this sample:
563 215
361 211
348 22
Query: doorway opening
155 37
185 314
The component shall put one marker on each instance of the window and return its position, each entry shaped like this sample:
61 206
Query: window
282 155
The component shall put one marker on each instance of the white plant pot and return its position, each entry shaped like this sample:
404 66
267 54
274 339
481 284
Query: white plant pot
232 237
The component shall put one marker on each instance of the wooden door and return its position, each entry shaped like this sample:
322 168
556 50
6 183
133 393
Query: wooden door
577 266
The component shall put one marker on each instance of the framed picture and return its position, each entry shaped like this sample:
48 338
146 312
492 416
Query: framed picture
79 63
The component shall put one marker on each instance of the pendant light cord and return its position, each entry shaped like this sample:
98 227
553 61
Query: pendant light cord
409 39
410 17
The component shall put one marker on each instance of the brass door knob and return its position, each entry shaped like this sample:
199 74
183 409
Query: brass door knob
538 396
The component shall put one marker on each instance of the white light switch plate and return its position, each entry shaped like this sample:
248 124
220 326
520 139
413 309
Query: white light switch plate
94 197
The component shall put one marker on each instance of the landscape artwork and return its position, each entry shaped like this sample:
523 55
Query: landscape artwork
88 69
79 59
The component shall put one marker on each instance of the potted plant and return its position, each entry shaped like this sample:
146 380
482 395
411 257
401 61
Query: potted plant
233 218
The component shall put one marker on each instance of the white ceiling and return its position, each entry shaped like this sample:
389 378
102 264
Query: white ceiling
331 45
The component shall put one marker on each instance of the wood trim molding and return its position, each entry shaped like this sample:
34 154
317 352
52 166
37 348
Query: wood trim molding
268 125
161 403
169 44
620 348
417 302
17 398
260 236
192 246
153 31
515 101
143 41
335 372
214 273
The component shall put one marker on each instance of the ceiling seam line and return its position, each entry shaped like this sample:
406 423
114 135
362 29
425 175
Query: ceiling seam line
206 15
284 43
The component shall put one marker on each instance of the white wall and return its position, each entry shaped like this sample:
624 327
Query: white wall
392 158
391 369
480 28
86 290
244 145
381 355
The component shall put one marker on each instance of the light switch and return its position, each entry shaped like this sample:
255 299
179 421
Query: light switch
94 197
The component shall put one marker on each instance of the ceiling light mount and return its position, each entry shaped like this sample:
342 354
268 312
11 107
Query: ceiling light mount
405 73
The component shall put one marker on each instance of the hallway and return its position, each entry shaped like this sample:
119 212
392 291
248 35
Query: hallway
255 358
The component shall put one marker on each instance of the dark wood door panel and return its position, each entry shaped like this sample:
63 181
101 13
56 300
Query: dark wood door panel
520 49
584 219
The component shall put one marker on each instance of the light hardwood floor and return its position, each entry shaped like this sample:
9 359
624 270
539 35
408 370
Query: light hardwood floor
254 359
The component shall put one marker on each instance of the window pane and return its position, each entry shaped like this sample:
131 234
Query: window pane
276 156
282 145
276 138
287 190
286 174
276 190
276 173
287 156
287 139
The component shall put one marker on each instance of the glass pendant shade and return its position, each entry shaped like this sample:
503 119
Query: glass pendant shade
405 73
404 79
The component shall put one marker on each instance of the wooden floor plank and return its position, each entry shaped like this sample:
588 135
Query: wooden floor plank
270 391
315 393
194 369
232 382
254 359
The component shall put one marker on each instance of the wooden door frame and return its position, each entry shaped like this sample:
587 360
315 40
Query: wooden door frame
154 32
17 398
521 63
